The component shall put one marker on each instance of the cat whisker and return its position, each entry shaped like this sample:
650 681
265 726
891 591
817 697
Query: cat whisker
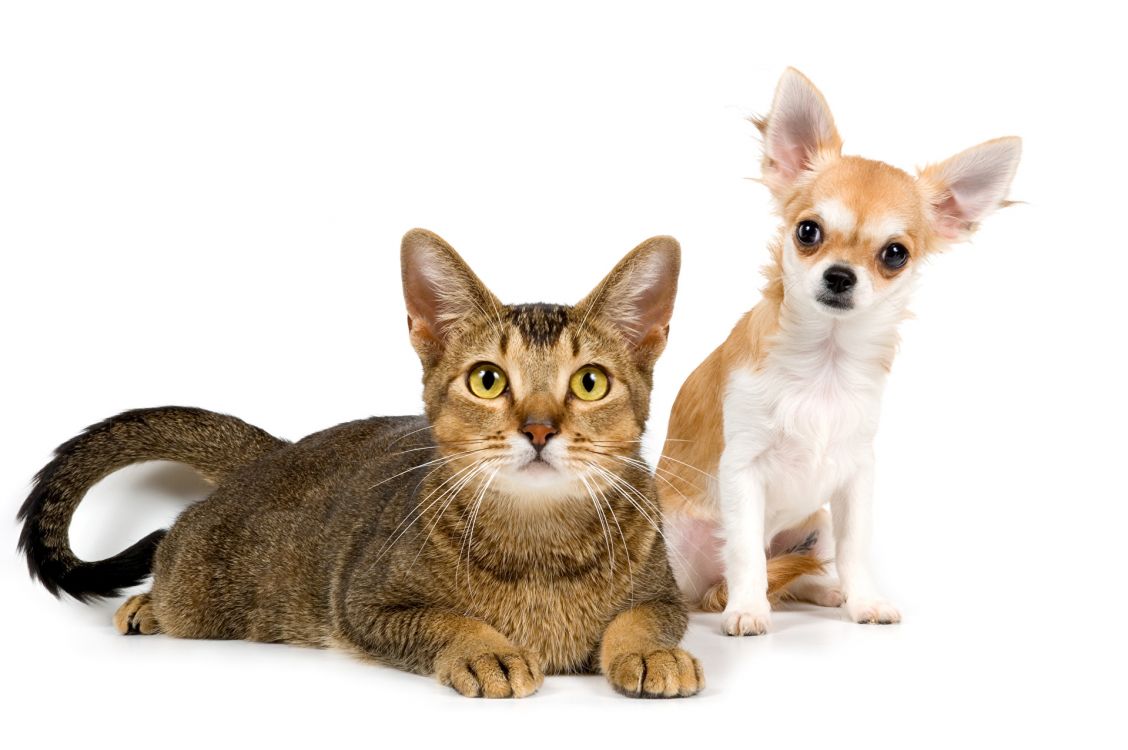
622 536
602 522
658 473
441 445
412 516
640 440
450 496
688 466
409 434
469 546
626 492
441 459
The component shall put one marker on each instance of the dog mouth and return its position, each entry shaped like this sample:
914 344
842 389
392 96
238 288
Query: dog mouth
836 301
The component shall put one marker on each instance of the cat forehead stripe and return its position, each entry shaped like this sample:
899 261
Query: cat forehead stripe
539 324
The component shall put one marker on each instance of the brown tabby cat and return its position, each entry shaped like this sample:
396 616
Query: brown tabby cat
510 532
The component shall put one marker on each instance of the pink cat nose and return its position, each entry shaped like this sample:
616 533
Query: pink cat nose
538 433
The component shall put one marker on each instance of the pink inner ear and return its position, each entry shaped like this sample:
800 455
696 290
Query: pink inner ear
789 158
949 223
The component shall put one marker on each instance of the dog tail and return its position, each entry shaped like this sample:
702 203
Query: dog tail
784 569
799 560
213 444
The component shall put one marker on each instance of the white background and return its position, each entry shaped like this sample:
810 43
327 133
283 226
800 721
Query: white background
203 205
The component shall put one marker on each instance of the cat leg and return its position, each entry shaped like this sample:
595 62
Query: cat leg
465 654
639 653
136 617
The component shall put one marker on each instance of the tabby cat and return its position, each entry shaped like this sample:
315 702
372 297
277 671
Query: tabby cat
513 531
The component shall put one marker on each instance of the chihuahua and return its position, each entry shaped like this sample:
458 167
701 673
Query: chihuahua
780 419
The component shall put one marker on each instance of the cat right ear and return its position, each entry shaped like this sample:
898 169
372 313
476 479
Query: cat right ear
637 297
439 290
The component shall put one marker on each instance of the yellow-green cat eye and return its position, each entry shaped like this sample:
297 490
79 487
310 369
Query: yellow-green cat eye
487 381
590 383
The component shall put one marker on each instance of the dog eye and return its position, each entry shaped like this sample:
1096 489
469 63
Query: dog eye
894 255
808 233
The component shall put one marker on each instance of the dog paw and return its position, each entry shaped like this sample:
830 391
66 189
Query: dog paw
746 621
823 595
662 673
828 597
492 672
872 611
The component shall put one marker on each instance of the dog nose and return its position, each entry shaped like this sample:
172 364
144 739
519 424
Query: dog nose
538 433
839 279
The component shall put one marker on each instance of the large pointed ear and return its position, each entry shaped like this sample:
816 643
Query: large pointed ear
439 290
797 131
637 297
970 185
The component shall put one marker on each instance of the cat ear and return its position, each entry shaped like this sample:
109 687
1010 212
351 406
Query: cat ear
970 185
439 290
798 129
637 297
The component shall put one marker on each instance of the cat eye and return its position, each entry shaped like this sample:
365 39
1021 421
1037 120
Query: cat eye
894 255
590 383
486 381
808 233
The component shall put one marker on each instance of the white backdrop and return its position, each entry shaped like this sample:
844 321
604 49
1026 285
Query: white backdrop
202 204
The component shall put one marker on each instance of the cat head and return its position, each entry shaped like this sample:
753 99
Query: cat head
544 400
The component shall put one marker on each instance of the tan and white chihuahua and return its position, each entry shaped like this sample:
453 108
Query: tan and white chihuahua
780 419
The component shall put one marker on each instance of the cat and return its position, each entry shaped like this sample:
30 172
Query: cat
512 531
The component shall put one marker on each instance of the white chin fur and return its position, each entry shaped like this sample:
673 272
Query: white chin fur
522 476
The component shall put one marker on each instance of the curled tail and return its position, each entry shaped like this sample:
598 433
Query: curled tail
213 444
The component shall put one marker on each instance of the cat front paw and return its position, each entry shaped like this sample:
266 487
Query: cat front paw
869 610
491 672
661 673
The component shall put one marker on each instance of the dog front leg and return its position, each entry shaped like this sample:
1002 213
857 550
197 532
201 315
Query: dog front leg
742 493
852 514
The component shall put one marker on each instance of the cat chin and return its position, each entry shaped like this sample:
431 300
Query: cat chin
537 481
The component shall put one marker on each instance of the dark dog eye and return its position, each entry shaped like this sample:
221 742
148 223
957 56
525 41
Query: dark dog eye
808 233
894 255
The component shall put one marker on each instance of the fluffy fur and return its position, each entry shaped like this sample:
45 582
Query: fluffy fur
780 419
489 542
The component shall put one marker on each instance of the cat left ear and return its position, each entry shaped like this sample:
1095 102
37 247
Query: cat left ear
637 297
439 290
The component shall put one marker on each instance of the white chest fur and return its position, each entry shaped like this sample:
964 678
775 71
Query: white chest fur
807 416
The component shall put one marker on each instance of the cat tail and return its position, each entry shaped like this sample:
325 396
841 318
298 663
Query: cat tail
213 444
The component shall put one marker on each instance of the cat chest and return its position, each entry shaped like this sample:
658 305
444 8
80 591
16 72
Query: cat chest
563 621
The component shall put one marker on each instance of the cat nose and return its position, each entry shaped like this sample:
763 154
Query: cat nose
538 433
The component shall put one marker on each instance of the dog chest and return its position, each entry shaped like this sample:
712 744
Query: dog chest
804 430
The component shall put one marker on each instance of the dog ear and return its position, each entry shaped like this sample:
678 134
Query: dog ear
798 130
637 297
439 290
970 185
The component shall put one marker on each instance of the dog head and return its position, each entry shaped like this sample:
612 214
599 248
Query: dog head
855 229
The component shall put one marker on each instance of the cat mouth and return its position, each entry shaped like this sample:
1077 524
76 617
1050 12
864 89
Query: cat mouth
538 465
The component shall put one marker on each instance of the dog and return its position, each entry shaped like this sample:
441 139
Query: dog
779 421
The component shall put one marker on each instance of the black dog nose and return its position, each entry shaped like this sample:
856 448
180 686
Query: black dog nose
839 279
